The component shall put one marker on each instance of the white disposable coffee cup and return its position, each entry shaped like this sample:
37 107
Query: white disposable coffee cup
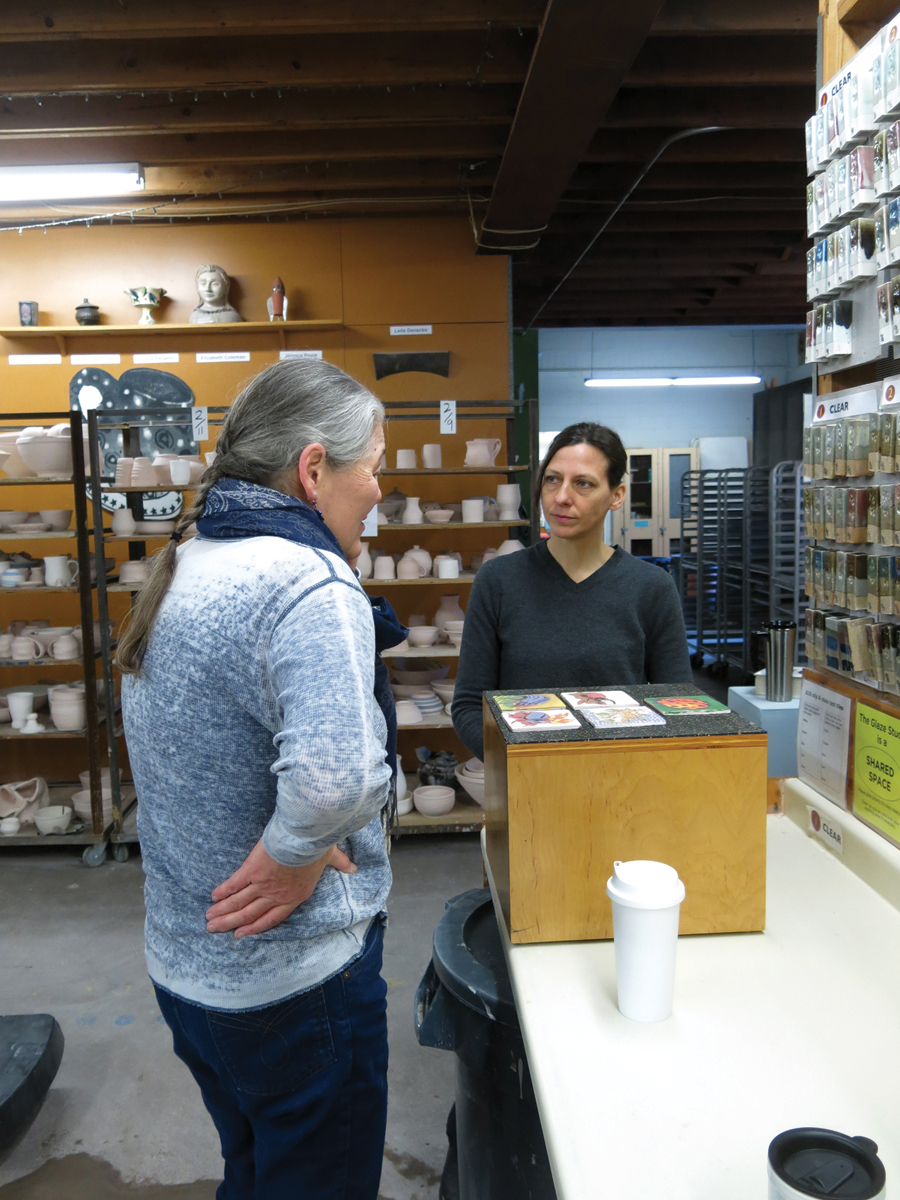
646 899
472 511
406 460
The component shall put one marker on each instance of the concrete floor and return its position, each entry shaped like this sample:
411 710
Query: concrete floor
124 1117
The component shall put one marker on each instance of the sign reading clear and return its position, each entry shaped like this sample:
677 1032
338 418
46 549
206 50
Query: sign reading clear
832 408
876 770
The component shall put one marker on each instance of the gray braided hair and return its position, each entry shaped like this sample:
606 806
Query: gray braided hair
284 409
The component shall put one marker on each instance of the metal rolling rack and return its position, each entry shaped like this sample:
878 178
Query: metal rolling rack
697 571
94 836
786 549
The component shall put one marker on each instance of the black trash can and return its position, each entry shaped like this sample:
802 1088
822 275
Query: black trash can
465 1004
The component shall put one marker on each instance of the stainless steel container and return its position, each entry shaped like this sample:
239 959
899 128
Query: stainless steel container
780 641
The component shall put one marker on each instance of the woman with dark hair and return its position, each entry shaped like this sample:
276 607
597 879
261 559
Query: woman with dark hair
570 611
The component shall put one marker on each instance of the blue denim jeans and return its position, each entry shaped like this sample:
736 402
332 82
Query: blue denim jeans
297 1090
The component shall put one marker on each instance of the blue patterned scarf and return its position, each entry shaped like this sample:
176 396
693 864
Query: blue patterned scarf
236 509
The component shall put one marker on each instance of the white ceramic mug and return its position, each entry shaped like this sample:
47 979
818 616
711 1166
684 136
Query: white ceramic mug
6 646
431 456
26 649
409 568
123 471
65 647
448 568
60 570
472 511
406 460
180 471
384 567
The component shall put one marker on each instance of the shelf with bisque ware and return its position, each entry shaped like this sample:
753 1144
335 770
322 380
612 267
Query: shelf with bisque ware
44 534
61 333
437 527
493 470
425 581
159 487
465 817
423 652
44 587
7 731
31 480
432 721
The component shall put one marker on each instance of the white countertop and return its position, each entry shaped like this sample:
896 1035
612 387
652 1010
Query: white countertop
799 1025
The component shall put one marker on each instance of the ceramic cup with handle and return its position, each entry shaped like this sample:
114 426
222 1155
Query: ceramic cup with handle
60 570
409 568
26 649
482 452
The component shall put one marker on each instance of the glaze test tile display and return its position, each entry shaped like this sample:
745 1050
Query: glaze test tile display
517 701
599 700
536 719
687 706
607 718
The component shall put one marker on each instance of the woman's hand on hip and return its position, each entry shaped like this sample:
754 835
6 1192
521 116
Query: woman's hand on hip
262 893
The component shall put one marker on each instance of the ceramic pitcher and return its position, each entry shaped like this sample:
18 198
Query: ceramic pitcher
482 452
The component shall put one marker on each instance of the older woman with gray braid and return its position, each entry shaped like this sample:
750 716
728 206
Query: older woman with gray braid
262 737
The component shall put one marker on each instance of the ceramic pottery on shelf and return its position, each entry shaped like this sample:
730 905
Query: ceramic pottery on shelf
146 299
212 285
364 562
449 610
277 303
87 313
422 557
482 452
412 513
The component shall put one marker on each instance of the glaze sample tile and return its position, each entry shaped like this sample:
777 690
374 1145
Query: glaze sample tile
599 699
687 706
534 720
521 700
608 718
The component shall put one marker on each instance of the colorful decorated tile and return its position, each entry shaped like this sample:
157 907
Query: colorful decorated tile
600 700
687 706
618 718
535 720
528 700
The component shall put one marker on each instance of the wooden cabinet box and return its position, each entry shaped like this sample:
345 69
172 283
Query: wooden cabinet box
562 806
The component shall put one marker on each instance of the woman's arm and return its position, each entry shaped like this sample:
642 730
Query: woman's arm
331 769
667 658
479 664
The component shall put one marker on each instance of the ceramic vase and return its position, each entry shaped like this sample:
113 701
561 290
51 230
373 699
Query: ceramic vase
449 610
364 562
422 557
412 513
123 522
510 546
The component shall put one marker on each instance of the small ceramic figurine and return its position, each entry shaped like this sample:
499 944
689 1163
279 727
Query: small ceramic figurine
277 303
212 288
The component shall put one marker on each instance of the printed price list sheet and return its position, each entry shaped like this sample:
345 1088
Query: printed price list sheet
823 739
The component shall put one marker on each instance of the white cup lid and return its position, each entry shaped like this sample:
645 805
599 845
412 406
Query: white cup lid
643 883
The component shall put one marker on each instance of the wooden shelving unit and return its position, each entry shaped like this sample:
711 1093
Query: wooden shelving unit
62 334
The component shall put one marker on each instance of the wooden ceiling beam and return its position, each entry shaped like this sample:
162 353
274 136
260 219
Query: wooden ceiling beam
583 51
723 62
90 19
223 64
211 112
734 145
704 17
783 107
319 145
187 180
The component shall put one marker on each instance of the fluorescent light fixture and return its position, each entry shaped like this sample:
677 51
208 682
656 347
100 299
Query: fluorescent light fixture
646 381
81 182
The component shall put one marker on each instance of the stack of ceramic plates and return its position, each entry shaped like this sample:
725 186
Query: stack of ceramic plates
427 701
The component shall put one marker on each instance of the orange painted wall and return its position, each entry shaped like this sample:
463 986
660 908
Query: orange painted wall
368 273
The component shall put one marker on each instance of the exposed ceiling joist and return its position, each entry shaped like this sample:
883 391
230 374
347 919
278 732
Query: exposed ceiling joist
583 51
497 55
89 19
702 17
734 145
783 107
722 62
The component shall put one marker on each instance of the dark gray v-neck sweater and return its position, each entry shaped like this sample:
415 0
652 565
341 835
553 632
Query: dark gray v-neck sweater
528 625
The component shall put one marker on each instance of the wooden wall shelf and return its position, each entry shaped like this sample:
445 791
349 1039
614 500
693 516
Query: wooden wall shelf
61 333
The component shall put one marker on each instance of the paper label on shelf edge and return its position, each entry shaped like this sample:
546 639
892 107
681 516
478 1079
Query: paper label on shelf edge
410 330
288 354
220 356
35 360
94 360
370 525
448 416
830 408
826 828
165 356
200 424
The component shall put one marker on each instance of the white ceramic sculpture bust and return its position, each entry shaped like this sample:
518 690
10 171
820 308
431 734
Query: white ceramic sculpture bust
212 288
